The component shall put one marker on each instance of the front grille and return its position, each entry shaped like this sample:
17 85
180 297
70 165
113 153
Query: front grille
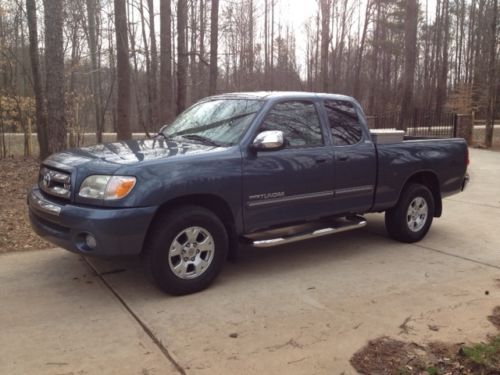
55 182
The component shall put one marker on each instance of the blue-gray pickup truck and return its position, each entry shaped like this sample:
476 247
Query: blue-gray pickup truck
263 168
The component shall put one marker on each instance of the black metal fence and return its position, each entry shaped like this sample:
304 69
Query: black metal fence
422 123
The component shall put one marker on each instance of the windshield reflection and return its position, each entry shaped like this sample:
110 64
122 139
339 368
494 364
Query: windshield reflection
216 122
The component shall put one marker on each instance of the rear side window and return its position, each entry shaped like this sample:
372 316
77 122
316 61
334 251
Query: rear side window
344 122
299 122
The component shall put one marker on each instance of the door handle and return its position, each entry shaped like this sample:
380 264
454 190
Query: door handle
320 160
342 157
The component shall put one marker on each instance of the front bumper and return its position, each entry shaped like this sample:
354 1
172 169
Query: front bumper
117 231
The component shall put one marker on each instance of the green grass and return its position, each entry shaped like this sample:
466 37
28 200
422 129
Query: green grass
486 355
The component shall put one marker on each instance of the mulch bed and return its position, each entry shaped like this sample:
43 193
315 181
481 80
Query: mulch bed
388 356
17 175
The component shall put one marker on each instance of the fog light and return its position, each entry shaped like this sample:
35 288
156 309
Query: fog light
90 241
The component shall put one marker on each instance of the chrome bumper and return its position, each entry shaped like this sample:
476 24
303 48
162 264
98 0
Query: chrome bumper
38 203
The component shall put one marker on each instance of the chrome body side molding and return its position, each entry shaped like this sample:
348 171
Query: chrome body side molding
291 198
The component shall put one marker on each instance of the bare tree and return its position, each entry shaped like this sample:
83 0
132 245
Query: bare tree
151 83
166 83
442 73
271 51
214 41
95 80
153 77
122 71
325 6
54 61
492 85
394 61
266 40
182 56
359 58
251 57
411 22
41 120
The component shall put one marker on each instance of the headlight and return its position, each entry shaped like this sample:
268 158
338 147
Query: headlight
106 187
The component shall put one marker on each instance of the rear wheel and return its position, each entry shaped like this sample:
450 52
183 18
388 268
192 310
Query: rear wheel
411 218
186 250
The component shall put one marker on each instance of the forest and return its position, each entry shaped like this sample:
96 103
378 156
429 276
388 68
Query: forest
71 67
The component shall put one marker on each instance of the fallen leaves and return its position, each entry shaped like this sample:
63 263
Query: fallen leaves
17 175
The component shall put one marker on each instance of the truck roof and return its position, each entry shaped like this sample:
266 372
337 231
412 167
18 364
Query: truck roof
263 95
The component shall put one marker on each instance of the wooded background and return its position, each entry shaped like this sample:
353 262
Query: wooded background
73 66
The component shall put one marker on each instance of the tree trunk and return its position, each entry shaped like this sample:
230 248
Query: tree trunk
214 42
54 62
155 112
272 44
325 40
374 63
122 72
411 22
182 57
193 67
94 79
135 77
316 51
202 62
150 80
266 43
40 115
251 56
166 83
359 57
490 120
442 74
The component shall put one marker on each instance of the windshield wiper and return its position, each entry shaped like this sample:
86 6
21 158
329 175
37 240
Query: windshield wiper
166 137
202 139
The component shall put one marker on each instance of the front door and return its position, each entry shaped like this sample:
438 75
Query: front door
294 183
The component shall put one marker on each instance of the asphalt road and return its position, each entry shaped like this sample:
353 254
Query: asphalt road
303 308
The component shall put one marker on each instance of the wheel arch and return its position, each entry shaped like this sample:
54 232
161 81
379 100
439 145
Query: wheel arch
211 202
429 180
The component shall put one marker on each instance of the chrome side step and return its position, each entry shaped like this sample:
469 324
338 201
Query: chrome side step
297 233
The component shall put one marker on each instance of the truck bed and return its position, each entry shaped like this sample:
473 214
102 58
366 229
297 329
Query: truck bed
441 158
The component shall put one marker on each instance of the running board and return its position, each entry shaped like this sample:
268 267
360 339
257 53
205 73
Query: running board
302 232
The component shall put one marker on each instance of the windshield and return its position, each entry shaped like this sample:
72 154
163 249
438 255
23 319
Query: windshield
218 122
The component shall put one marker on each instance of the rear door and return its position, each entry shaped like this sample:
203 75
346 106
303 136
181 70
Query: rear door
355 158
294 183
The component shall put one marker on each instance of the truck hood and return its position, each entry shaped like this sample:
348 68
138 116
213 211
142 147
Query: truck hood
127 152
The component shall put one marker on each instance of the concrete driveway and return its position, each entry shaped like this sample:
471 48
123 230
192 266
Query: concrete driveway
298 309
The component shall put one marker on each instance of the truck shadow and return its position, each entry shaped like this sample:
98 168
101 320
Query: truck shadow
268 264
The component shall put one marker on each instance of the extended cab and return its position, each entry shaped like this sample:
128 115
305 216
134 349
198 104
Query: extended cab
264 168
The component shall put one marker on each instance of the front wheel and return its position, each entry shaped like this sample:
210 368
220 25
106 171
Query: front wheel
186 250
410 220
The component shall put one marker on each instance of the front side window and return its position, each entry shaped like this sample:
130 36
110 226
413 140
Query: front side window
299 122
221 121
344 122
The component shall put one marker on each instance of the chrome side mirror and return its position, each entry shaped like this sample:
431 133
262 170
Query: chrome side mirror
269 140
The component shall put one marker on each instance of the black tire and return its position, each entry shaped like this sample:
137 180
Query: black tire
397 220
160 262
